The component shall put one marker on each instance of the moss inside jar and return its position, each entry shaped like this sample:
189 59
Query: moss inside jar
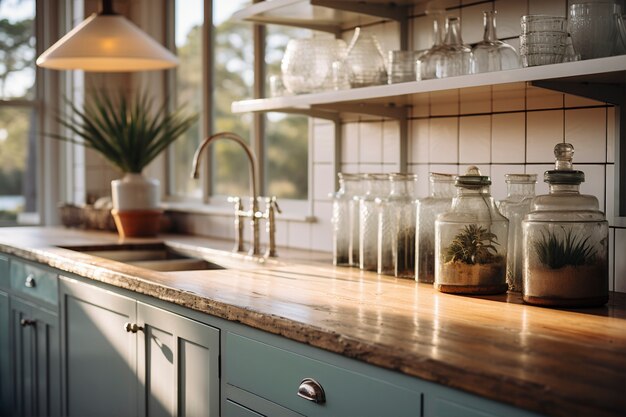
565 242
470 254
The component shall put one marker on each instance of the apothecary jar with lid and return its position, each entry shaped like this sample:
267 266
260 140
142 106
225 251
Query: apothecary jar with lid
345 220
471 240
565 241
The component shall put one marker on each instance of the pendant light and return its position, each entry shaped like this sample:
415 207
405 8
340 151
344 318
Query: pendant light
107 42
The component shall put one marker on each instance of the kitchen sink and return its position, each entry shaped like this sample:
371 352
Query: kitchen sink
153 256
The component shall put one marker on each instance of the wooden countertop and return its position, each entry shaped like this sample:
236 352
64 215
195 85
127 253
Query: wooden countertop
553 362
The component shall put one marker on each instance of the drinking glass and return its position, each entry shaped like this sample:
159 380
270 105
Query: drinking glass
593 27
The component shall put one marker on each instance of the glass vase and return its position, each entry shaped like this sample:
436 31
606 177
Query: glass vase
565 242
442 191
520 192
365 60
470 240
426 64
457 58
491 54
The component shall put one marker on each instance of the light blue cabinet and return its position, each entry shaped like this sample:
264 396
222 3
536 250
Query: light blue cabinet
127 358
6 380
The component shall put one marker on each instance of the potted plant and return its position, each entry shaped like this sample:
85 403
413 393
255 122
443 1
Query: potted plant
472 260
129 132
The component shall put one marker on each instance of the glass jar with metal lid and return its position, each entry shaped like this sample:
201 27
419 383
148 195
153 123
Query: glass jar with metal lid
565 241
470 240
439 201
375 186
520 193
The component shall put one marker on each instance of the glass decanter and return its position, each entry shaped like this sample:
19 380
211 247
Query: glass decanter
375 187
565 242
520 192
426 64
396 233
470 240
491 54
442 191
457 57
344 220
365 61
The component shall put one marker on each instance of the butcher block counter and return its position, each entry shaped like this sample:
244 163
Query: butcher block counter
550 361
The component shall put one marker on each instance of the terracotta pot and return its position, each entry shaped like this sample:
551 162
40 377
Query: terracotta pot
137 223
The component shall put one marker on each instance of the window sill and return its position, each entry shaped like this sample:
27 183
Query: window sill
226 210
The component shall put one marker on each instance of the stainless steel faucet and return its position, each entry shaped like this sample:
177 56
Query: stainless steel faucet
254 214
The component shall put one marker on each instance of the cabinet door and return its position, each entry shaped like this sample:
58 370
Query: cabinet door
22 357
6 380
178 365
100 356
47 356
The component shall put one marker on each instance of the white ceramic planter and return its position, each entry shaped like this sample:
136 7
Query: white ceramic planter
135 192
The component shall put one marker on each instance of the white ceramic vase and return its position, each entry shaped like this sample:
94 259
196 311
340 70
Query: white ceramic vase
135 192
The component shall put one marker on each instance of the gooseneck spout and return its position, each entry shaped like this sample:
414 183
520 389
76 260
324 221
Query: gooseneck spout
254 173
253 213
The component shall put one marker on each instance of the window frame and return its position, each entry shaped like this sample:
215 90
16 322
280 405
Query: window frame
292 209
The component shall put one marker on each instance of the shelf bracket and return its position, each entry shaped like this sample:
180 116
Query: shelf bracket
604 92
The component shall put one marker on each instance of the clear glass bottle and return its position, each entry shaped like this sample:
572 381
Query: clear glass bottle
491 54
565 242
442 191
396 229
344 221
457 57
375 187
520 192
365 59
426 64
470 240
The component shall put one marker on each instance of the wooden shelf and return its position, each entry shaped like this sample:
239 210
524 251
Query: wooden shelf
325 15
595 79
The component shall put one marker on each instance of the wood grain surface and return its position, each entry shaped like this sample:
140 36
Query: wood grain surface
551 361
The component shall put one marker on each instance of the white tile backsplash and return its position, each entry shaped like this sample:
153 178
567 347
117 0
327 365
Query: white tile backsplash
594 181
324 143
391 142
444 103
349 143
371 142
508 17
323 181
508 137
586 130
544 129
472 22
540 98
444 140
475 139
419 145
475 100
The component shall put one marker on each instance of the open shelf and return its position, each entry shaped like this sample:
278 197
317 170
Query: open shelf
598 79
325 15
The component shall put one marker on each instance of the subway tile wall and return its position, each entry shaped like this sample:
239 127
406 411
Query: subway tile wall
502 129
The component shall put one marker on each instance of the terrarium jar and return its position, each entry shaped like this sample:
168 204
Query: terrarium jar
457 57
520 192
470 240
492 54
565 242
345 220
442 191
396 232
376 186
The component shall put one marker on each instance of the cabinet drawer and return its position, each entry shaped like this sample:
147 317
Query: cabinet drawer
276 374
34 282
4 272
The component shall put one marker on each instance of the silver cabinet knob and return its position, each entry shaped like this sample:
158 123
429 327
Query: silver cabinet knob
311 390
133 328
30 281
27 322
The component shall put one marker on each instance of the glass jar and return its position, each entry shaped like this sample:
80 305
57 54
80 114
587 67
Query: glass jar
396 229
365 59
470 240
492 54
426 64
344 220
457 57
439 201
565 242
520 192
375 187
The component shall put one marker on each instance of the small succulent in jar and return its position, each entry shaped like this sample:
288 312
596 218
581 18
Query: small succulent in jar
473 245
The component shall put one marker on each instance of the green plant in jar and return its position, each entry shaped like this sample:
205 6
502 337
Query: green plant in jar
571 249
473 245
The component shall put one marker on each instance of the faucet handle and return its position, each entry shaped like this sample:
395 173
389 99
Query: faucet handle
272 203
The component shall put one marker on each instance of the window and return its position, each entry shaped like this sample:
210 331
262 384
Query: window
19 119
231 75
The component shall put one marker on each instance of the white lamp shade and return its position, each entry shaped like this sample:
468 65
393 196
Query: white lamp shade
107 43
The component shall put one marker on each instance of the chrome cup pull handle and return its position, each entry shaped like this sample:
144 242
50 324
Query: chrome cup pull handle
30 281
311 390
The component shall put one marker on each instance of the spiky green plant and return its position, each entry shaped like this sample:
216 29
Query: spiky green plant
128 131
472 245
570 249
